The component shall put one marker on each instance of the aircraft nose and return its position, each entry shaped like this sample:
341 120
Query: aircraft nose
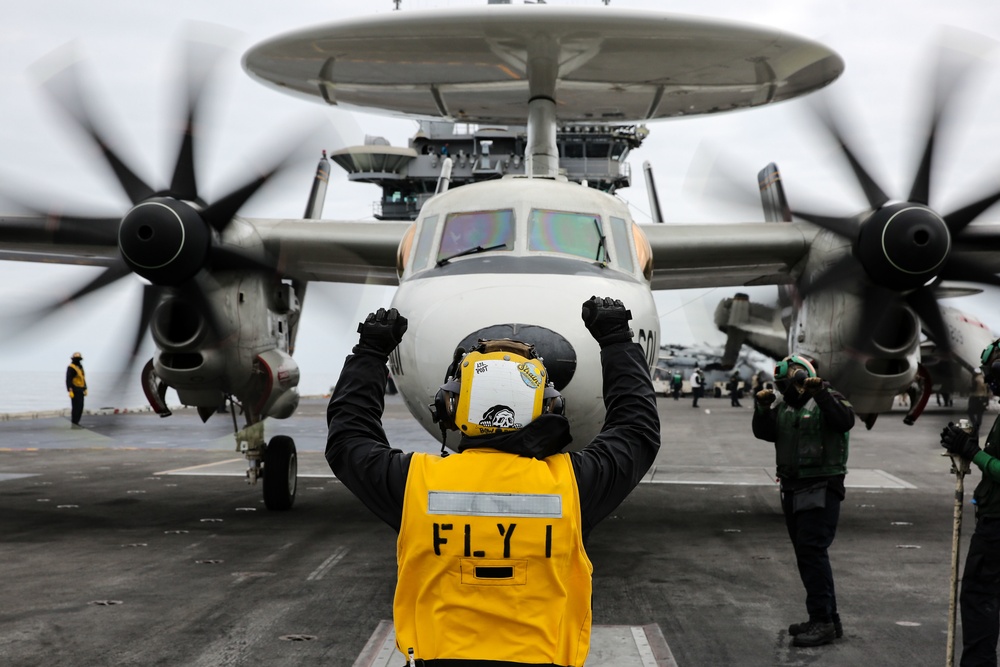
556 352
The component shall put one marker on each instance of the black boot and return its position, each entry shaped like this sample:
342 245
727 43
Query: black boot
798 628
815 634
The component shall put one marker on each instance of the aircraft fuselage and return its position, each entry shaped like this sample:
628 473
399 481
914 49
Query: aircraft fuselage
549 245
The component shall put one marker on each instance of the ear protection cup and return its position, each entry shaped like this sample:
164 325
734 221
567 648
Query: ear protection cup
445 402
784 367
553 401
987 353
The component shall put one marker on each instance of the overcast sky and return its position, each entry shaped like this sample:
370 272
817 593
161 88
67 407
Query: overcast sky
131 49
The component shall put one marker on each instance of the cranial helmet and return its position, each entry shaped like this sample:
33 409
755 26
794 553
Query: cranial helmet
498 386
990 360
793 369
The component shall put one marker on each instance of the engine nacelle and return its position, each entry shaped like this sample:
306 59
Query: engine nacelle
279 395
870 378
196 376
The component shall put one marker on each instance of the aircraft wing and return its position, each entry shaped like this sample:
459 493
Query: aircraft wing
718 255
348 252
334 251
86 242
684 255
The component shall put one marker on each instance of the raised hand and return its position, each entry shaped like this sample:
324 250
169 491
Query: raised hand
607 320
381 332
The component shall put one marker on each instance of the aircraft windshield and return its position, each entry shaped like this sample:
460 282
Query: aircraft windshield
567 233
465 233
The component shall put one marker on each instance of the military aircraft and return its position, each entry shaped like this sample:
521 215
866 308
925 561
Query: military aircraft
944 368
718 371
514 256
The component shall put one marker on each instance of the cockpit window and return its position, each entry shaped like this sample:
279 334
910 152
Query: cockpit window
619 231
423 250
577 234
466 233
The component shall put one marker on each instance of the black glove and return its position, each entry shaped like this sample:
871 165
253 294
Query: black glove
813 385
381 332
765 397
958 442
607 320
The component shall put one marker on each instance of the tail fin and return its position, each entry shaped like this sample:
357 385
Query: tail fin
776 209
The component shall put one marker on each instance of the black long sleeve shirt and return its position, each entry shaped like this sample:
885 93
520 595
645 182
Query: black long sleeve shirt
607 469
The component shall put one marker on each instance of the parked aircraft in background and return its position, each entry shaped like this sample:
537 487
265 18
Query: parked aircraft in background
711 360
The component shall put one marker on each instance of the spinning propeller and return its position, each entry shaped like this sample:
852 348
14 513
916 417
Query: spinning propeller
170 236
904 247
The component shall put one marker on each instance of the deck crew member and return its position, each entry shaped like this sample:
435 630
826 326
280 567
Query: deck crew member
491 564
809 428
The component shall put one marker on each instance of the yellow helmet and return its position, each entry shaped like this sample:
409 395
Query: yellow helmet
498 386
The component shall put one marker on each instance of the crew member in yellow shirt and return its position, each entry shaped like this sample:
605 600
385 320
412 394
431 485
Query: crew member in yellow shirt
491 563
76 385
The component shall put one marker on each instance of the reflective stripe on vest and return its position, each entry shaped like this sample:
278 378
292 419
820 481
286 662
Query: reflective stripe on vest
491 564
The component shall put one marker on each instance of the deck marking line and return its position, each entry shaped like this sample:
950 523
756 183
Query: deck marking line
328 564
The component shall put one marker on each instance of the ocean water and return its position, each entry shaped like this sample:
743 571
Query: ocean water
28 391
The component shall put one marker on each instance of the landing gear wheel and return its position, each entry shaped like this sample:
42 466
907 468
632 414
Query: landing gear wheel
281 469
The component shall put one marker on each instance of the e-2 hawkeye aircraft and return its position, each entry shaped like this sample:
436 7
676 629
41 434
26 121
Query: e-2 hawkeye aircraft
509 257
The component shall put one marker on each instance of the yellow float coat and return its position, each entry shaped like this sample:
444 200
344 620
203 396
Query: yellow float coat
79 380
491 564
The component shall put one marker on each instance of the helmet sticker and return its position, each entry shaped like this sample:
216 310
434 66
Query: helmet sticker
499 416
529 374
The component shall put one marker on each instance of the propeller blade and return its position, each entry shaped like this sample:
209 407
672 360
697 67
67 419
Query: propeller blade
64 88
959 219
219 213
106 277
957 56
873 192
59 229
920 190
151 295
970 270
21 323
222 211
925 305
201 60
